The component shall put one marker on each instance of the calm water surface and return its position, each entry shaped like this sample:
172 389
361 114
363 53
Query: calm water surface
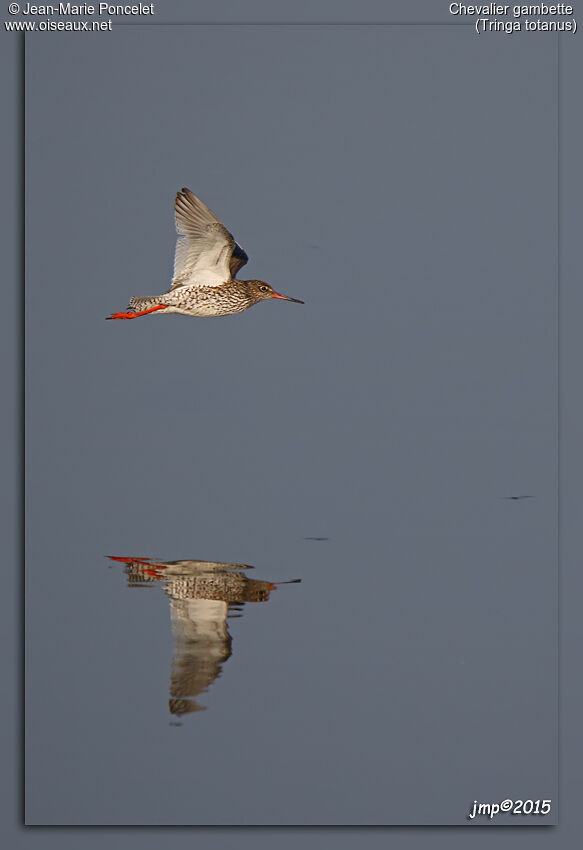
363 442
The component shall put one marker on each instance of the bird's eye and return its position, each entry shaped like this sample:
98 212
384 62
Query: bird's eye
264 288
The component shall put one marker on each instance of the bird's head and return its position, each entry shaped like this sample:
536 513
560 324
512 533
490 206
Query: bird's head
262 291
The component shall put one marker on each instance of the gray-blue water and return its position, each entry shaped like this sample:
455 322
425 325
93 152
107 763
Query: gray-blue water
413 208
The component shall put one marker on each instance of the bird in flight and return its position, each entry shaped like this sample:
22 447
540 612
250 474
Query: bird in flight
203 596
206 263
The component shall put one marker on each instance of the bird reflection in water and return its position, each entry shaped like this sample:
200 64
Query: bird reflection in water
203 596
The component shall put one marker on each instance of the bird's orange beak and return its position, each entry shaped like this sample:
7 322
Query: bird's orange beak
286 298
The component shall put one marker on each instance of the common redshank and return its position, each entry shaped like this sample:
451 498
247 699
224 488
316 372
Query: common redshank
203 595
206 263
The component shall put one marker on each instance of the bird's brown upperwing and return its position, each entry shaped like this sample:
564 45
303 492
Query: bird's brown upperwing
238 259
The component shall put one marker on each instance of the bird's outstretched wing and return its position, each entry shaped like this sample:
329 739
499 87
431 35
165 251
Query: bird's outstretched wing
206 253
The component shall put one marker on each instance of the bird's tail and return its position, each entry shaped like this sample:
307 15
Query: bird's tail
143 302
141 306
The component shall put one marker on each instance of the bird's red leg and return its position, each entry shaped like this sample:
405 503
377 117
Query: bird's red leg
146 561
135 315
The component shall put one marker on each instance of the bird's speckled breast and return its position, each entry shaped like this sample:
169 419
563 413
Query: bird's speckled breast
208 300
